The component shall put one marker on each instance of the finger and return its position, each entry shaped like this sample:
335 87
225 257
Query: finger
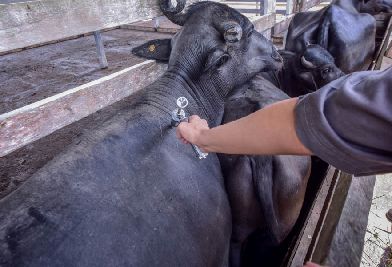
178 134
193 118
180 129
204 122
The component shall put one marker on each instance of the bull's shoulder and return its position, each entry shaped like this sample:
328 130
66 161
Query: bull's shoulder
349 28
341 16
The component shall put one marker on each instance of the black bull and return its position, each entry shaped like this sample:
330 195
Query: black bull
342 29
266 193
129 194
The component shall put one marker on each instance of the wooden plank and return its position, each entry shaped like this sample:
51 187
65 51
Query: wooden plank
159 24
245 1
324 233
29 23
376 64
250 10
388 53
263 23
282 25
316 216
342 237
269 6
289 7
32 122
306 4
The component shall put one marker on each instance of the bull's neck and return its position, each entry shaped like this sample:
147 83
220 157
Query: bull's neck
288 76
206 99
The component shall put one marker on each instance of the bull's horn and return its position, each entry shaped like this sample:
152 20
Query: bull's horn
307 64
232 32
174 14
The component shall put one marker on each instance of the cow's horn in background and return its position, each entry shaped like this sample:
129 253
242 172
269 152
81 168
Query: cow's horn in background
174 14
307 64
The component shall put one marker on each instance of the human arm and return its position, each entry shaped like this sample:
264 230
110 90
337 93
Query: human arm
347 123
270 130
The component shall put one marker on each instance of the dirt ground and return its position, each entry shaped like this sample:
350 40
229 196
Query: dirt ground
34 74
377 250
378 240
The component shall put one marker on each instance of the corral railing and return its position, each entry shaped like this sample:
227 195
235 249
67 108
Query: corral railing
258 7
34 23
27 24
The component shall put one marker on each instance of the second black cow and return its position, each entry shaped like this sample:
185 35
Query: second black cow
266 193
306 72
342 29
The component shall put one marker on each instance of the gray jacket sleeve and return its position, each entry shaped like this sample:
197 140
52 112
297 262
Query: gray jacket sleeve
348 123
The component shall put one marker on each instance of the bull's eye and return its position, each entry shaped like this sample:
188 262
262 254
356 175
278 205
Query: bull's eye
250 34
326 70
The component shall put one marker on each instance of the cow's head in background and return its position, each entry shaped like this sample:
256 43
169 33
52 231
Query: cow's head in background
308 72
214 40
320 63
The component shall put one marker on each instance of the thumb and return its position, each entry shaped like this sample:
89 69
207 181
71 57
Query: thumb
184 132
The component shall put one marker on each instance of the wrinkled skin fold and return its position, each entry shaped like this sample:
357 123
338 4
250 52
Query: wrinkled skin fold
128 193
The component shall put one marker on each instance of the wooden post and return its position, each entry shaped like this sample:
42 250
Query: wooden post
100 50
315 217
157 22
268 7
289 7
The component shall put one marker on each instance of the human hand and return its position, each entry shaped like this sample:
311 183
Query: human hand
189 132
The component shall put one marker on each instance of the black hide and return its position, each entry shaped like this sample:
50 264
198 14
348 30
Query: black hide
265 192
341 29
130 194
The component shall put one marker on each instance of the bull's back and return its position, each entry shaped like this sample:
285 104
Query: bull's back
127 195
351 39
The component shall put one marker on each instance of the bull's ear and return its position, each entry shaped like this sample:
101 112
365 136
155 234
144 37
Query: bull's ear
159 49
216 59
